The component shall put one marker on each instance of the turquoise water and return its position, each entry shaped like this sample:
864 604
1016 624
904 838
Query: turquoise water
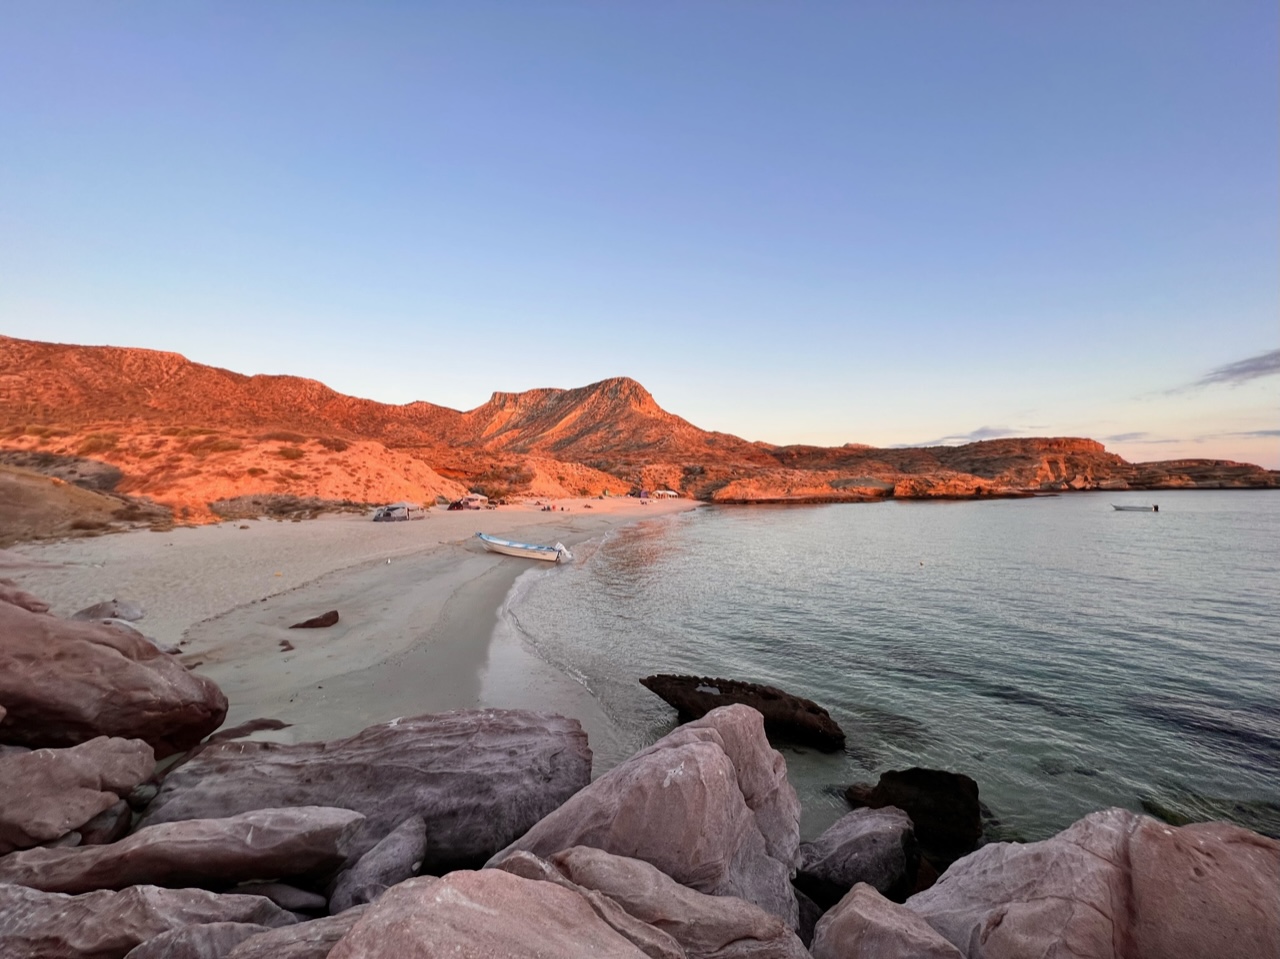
1067 656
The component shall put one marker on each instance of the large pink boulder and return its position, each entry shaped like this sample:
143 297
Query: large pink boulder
64 682
866 925
46 793
106 925
311 841
709 805
490 914
1115 885
477 778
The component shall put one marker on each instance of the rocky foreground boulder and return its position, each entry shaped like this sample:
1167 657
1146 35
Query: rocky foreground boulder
786 716
107 925
873 846
64 682
943 807
866 925
709 805
1115 885
396 858
46 793
303 841
478 779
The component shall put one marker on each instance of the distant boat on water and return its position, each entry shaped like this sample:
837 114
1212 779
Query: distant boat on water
551 554
1136 509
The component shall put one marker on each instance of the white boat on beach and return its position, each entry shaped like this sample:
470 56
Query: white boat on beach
1136 509
551 554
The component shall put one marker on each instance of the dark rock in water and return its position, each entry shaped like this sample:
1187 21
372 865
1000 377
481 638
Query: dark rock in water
46 793
318 622
942 805
865 925
873 846
108 826
1179 807
106 925
396 858
65 682
305 940
709 805
481 778
786 716
266 843
212 940
1115 885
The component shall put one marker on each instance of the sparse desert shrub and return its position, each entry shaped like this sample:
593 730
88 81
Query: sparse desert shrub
171 431
256 471
282 437
98 443
89 524
290 476
148 454
290 453
503 481
332 443
212 444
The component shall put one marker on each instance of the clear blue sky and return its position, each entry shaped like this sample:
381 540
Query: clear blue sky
888 223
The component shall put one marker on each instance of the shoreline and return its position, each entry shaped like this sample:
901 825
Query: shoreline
418 605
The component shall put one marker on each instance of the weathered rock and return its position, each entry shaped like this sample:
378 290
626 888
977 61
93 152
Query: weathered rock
865 925
306 940
786 716
284 895
322 621
247 728
212 940
874 846
106 925
300 841
66 682
11 592
490 914
810 913
127 609
127 627
396 858
49 792
480 778
942 805
696 805
707 927
108 826
1115 885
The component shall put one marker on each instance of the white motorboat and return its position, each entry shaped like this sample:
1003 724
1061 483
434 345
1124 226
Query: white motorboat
551 554
1136 509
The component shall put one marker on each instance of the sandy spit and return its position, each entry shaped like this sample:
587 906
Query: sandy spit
418 603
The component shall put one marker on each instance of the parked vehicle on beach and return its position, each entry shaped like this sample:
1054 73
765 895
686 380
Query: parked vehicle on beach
551 554
399 512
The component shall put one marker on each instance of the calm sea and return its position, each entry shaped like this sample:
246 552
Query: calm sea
1067 656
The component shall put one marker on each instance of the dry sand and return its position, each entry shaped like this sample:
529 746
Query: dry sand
418 603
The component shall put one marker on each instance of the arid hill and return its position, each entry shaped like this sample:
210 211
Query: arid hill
156 425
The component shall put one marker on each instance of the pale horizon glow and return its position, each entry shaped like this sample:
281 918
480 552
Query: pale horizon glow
877 223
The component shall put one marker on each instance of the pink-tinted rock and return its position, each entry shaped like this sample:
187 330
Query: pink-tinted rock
696 805
106 925
12 593
875 846
490 914
706 927
66 682
306 940
284 895
396 858
866 925
478 778
1115 885
212 940
108 826
266 843
49 792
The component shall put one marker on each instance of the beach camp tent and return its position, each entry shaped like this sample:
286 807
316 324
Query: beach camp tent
474 501
666 493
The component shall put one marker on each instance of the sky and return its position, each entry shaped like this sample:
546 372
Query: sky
896 223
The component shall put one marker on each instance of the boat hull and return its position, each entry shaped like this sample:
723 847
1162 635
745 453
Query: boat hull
548 554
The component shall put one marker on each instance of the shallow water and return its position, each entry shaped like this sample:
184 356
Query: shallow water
1067 656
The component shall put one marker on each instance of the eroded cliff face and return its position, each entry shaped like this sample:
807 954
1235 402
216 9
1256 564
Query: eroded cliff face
187 435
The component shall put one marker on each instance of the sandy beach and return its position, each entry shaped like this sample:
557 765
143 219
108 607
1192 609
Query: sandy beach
418 603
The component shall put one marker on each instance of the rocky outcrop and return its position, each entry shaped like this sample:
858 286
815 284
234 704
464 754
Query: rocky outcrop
49 792
396 858
309 841
865 925
479 778
872 846
786 716
1115 885
487 913
709 805
943 807
14 595
106 925
65 682
305 940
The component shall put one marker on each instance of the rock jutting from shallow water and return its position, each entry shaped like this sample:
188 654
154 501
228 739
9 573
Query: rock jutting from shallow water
65 682
709 805
478 778
872 846
943 807
789 717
